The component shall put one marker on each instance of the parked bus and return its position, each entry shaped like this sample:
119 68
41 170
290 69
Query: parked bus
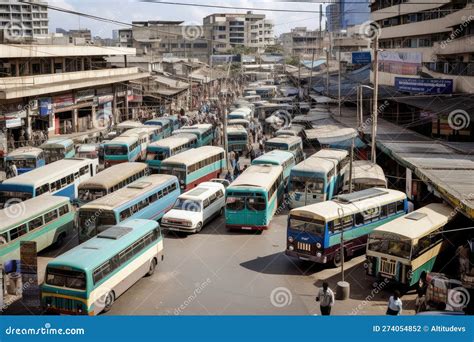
314 231
293 130
58 148
405 248
147 198
242 113
286 143
195 166
145 136
238 139
168 147
89 278
239 122
90 151
204 133
167 126
26 158
365 175
122 150
253 198
276 157
110 180
124 126
342 160
60 178
46 220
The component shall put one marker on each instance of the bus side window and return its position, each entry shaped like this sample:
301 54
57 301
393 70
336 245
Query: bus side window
52 215
15 233
63 210
35 223
392 208
400 206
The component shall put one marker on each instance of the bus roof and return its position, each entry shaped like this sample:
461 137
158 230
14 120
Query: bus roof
88 147
315 164
128 193
52 170
113 175
285 139
140 130
128 140
57 142
329 210
238 121
28 209
129 123
193 155
364 171
26 151
331 153
202 191
257 176
174 140
159 121
419 222
236 129
275 157
94 252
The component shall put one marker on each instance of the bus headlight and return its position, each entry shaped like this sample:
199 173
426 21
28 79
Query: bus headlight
290 239
319 255
291 248
318 245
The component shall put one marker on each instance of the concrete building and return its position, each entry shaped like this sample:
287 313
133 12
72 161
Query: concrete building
343 14
166 39
228 30
80 33
59 87
19 20
348 42
303 42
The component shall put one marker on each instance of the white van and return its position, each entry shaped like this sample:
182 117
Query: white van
195 208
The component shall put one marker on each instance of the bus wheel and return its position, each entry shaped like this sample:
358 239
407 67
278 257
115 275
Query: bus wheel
221 212
336 261
152 268
109 301
199 227
60 240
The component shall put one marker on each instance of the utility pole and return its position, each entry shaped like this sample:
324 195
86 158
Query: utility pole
351 167
311 73
327 72
375 100
339 82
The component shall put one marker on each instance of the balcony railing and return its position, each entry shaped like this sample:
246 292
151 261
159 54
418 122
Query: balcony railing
456 69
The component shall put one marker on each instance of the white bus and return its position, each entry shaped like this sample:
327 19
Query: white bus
365 175
60 178
405 248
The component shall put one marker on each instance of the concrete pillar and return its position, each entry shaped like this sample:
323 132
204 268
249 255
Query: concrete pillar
64 69
52 66
126 106
28 122
75 120
17 67
82 64
115 112
93 118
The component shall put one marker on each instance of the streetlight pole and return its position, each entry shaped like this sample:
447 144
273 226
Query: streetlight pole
375 100
327 72
339 81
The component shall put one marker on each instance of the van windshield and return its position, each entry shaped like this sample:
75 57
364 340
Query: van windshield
187 205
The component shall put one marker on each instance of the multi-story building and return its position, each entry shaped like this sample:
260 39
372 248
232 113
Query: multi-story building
431 38
343 14
20 20
166 38
303 42
228 30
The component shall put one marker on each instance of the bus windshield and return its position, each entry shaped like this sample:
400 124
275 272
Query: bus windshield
91 194
307 225
90 220
187 205
306 184
19 196
116 150
397 248
157 155
66 278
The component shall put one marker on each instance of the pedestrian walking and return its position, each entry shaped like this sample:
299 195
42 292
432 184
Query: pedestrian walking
325 299
228 176
232 159
394 304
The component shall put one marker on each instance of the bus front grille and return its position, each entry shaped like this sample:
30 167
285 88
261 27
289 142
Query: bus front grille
66 304
387 267
303 247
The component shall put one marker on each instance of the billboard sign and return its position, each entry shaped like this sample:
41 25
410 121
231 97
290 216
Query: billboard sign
424 85
401 63
361 57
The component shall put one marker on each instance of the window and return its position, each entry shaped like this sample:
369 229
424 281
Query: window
15 233
42 189
337 224
206 203
391 208
220 194
63 210
102 271
52 215
213 198
400 206
35 223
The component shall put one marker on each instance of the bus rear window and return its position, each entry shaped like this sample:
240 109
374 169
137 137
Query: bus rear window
66 278
116 150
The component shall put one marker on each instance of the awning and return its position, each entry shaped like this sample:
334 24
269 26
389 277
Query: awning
440 105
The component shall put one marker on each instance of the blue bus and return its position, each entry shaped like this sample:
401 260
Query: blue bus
287 143
167 125
276 157
122 150
58 148
238 139
26 158
147 198
89 278
61 178
253 198
314 231
204 133
168 147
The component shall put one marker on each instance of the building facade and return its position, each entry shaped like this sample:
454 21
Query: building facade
343 14
20 20
303 42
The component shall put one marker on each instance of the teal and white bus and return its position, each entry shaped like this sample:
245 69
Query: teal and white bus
253 198
405 248
204 133
124 126
89 278
168 147
314 231
61 178
238 139
26 158
167 125
111 179
239 122
287 143
58 148
195 166
276 157
46 220
122 150
147 198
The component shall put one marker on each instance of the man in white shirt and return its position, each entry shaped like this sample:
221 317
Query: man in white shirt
326 299
394 304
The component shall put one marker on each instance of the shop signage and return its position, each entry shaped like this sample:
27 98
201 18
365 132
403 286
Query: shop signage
424 85
13 122
361 57
45 106
85 95
62 101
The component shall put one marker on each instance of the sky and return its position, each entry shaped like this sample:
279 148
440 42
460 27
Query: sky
134 10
